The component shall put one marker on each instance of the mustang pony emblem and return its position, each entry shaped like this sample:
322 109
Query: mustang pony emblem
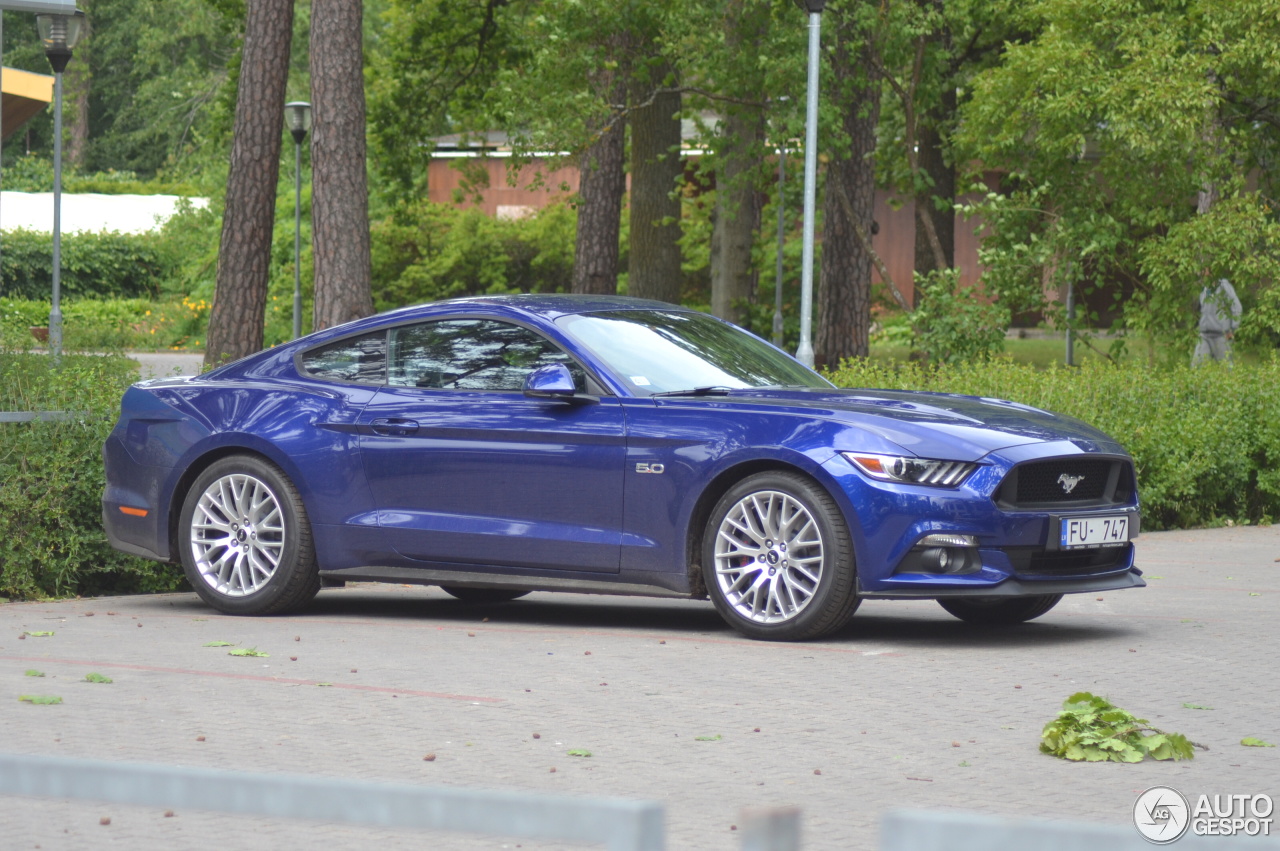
1069 482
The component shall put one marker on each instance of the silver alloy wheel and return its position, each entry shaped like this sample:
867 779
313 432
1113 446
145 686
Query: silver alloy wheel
768 557
237 535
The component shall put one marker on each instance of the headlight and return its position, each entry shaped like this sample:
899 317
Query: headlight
911 470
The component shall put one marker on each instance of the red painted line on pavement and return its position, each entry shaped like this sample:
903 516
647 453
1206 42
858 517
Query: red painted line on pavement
252 677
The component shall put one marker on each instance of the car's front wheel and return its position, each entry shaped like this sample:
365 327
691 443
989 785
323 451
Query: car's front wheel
778 560
999 611
246 543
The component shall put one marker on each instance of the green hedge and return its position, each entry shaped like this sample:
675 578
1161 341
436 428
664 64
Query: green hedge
1205 441
51 480
102 265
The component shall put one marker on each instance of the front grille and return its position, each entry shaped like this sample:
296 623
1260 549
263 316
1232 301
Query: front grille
1071 482
1034 561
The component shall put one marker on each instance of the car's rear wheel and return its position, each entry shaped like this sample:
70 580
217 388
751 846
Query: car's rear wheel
482 595
246 544
999 611
778 560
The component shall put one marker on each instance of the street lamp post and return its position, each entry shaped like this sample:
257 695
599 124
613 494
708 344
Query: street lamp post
782 237
298 119
814 7
60 33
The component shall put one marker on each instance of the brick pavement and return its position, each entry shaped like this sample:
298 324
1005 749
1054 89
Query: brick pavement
906 707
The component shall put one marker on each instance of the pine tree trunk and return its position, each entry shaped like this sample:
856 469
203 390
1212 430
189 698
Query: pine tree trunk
656 168
844 303
734 277
339 183
244 255
602 183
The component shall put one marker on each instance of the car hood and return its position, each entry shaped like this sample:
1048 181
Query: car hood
934 425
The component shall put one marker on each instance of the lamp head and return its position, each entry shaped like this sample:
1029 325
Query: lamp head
60 34
297 118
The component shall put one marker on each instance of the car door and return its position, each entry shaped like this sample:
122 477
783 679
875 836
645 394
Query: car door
467 470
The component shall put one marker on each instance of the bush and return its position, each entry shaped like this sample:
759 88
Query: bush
51 481
103 265
1205 441
427 252
108 325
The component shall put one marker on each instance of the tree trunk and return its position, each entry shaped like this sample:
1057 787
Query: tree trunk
943 176
77 82
339 187
601 185
656 168
734 277
244 255
844 302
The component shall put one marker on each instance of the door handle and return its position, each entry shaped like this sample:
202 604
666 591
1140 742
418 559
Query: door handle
394 426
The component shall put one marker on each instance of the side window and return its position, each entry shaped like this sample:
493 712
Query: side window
472 354
361 359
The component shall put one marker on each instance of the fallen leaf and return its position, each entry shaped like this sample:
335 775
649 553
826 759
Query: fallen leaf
219 644
32 672
717 737
39 633
1251 742
247 651
39 699
1195 706
94 677
579 752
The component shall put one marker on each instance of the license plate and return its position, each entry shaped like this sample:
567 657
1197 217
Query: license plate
1108 530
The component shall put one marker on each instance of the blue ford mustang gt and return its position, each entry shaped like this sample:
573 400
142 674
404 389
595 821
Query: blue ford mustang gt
496 446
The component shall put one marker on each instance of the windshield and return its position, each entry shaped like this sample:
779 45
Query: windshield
656 351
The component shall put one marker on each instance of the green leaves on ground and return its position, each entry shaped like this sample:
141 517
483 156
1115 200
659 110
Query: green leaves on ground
1091 729
247 651
717 737
1195 706
95 677
32 672
39 634
40 699
1251 742
218 644
578 752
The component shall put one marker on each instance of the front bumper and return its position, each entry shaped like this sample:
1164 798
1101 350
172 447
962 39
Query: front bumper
1018 553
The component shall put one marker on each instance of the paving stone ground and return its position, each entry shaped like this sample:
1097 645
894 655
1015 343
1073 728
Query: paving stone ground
905 707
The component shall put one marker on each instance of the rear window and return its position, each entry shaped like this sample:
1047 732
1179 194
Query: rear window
358 359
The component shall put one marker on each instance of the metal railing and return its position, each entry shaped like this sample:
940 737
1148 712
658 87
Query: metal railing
956 831
39 416
620 825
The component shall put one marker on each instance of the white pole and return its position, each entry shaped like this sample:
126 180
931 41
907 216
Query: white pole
805 352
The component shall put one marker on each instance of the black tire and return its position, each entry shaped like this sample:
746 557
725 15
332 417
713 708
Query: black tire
265 567
482 595
999 611
743 563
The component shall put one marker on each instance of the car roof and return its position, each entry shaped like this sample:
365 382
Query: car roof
547 305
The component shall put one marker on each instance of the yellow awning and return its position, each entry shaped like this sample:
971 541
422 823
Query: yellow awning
24 94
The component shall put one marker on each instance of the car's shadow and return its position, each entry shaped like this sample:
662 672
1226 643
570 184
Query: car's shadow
899 624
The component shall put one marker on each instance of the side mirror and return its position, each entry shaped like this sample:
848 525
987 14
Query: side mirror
550 382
